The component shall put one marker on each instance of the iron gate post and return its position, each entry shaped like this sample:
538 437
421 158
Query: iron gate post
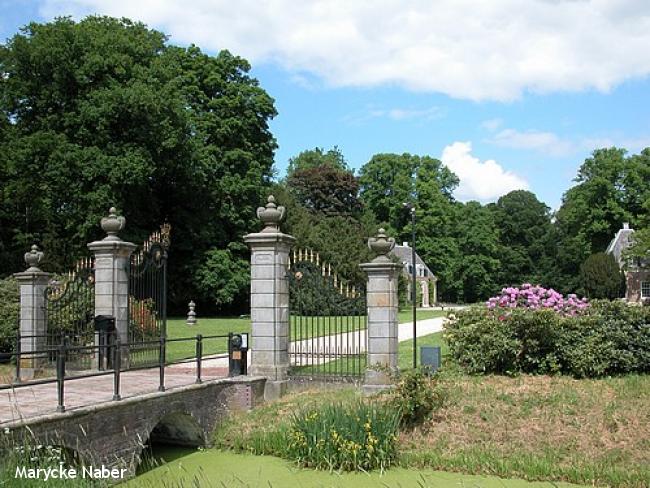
33 313
112 258
270 299
383 304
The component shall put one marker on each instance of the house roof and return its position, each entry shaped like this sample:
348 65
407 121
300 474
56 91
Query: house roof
405 254
619 243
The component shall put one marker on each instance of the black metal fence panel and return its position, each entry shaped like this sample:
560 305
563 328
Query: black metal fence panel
148 298
70 310
328 321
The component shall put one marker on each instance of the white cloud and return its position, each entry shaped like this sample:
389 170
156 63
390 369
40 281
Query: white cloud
396 114
544 142
492 124
462 48
632 144
482 181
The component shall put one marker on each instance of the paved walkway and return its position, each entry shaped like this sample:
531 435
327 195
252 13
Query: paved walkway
31 401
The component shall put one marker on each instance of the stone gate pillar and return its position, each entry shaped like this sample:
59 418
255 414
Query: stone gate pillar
33 313
270 299
112 262
383 304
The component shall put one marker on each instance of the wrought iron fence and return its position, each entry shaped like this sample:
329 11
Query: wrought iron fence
148 297
70 309
328 321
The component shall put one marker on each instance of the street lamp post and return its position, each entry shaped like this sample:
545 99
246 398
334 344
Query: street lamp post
411 209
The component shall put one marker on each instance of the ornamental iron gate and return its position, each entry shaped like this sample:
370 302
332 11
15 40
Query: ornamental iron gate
328 321
148 299
69 311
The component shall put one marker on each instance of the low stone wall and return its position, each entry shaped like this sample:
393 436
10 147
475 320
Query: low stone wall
114 433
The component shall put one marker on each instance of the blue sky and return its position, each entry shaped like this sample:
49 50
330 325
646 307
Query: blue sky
508 94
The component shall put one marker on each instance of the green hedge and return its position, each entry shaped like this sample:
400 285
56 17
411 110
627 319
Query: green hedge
609 338
9 312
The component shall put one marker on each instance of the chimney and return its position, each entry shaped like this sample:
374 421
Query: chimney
405 244
626 225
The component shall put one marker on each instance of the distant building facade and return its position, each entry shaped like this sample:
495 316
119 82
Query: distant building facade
426 280
637 272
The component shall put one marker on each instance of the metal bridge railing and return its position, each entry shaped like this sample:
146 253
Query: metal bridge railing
114 351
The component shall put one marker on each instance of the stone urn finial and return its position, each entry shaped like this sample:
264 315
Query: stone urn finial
271 215
112 225
191 315
33 258
381 245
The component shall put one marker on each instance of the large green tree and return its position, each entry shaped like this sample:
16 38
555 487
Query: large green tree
326 189
390 180
611 188
313 158
524 224
476 272
104 112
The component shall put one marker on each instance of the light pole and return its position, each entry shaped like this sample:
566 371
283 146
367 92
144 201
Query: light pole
411 209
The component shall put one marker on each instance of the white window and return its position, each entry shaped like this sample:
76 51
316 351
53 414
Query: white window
645 289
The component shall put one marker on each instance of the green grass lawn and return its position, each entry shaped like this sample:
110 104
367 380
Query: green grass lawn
545 428
405 351
177 328
302 328
214 468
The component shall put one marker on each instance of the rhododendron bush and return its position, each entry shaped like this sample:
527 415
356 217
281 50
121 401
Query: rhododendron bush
536 297
530 329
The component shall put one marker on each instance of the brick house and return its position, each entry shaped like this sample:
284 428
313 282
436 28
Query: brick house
424 277
637 272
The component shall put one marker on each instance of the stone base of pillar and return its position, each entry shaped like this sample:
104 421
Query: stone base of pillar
272 372
376 381
273 390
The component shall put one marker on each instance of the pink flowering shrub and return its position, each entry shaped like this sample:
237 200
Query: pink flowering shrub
537 297
537 331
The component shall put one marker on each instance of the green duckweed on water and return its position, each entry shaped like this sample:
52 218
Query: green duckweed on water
213 468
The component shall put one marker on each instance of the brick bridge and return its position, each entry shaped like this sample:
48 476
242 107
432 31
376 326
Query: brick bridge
114 433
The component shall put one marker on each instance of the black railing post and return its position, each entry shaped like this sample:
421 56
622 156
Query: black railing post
117 367
161 364
199 356
230 334
17 356
60 377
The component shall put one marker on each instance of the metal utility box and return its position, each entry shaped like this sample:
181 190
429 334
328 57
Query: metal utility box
238 355
104 339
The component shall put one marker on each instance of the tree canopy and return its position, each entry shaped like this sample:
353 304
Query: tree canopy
317 157
104 112
611 188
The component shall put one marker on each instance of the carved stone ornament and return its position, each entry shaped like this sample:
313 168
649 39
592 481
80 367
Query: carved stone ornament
33 258
381 244
112 225
271 215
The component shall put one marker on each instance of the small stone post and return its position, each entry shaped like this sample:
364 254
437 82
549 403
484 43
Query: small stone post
383 277
191 315
270 299
33 313
112 262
